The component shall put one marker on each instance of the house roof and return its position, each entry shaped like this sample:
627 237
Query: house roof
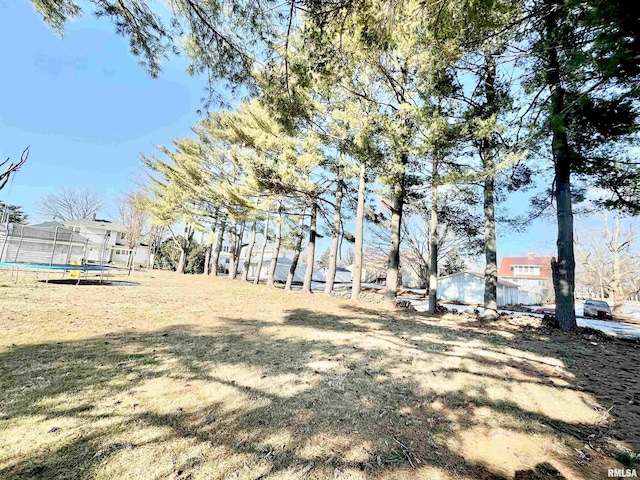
98 223
47 224
507 264
480 275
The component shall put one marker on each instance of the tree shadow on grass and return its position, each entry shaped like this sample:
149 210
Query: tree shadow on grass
319 396
589 361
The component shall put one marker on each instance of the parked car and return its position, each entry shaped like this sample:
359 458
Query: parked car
546 310
597 309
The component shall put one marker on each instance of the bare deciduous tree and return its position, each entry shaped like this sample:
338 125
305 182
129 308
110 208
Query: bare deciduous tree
415 253
134 219
12 167
70 204
157 234
347 258
607 263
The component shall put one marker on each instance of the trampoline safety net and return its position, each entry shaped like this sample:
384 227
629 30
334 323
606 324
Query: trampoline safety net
45 245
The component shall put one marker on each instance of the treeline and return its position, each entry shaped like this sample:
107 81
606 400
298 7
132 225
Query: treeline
442 107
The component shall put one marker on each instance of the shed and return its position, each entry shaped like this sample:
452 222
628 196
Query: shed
468 288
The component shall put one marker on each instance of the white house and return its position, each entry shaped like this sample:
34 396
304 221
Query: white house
106 242
468 288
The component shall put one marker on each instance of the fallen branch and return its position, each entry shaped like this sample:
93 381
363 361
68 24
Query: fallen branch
407 452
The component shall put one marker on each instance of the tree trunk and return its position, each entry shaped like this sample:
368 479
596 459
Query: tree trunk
256 277
189 232
207 259
271 279
491 269
618 291
247 260
232 249
335 240
564 268
357 255
209 251
184 250
219 240
311 249
181 261
433 246
393 264
487 153
129 261
296 254
238 249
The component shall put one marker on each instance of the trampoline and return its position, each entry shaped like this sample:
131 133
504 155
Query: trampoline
52 249
56 266
17 266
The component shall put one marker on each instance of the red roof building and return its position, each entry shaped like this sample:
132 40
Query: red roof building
532 274
525 267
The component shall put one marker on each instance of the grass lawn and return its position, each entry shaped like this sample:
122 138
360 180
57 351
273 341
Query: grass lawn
192 377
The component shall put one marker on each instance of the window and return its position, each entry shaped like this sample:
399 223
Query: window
526 270
596 303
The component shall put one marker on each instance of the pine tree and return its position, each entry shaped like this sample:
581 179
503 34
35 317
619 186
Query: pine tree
584 59
12 214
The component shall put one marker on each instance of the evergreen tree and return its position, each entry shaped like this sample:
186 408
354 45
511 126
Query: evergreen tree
453 263
12 214
584 60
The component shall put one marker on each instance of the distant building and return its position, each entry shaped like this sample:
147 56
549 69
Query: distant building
468 288
284 259
283 265
106 242
343 275
532 274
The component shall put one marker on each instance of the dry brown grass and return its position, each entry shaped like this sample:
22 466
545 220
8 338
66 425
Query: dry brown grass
201 378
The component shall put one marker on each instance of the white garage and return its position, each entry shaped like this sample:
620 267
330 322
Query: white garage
468 288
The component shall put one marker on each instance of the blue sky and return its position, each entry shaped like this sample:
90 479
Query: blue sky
83 104
87 109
